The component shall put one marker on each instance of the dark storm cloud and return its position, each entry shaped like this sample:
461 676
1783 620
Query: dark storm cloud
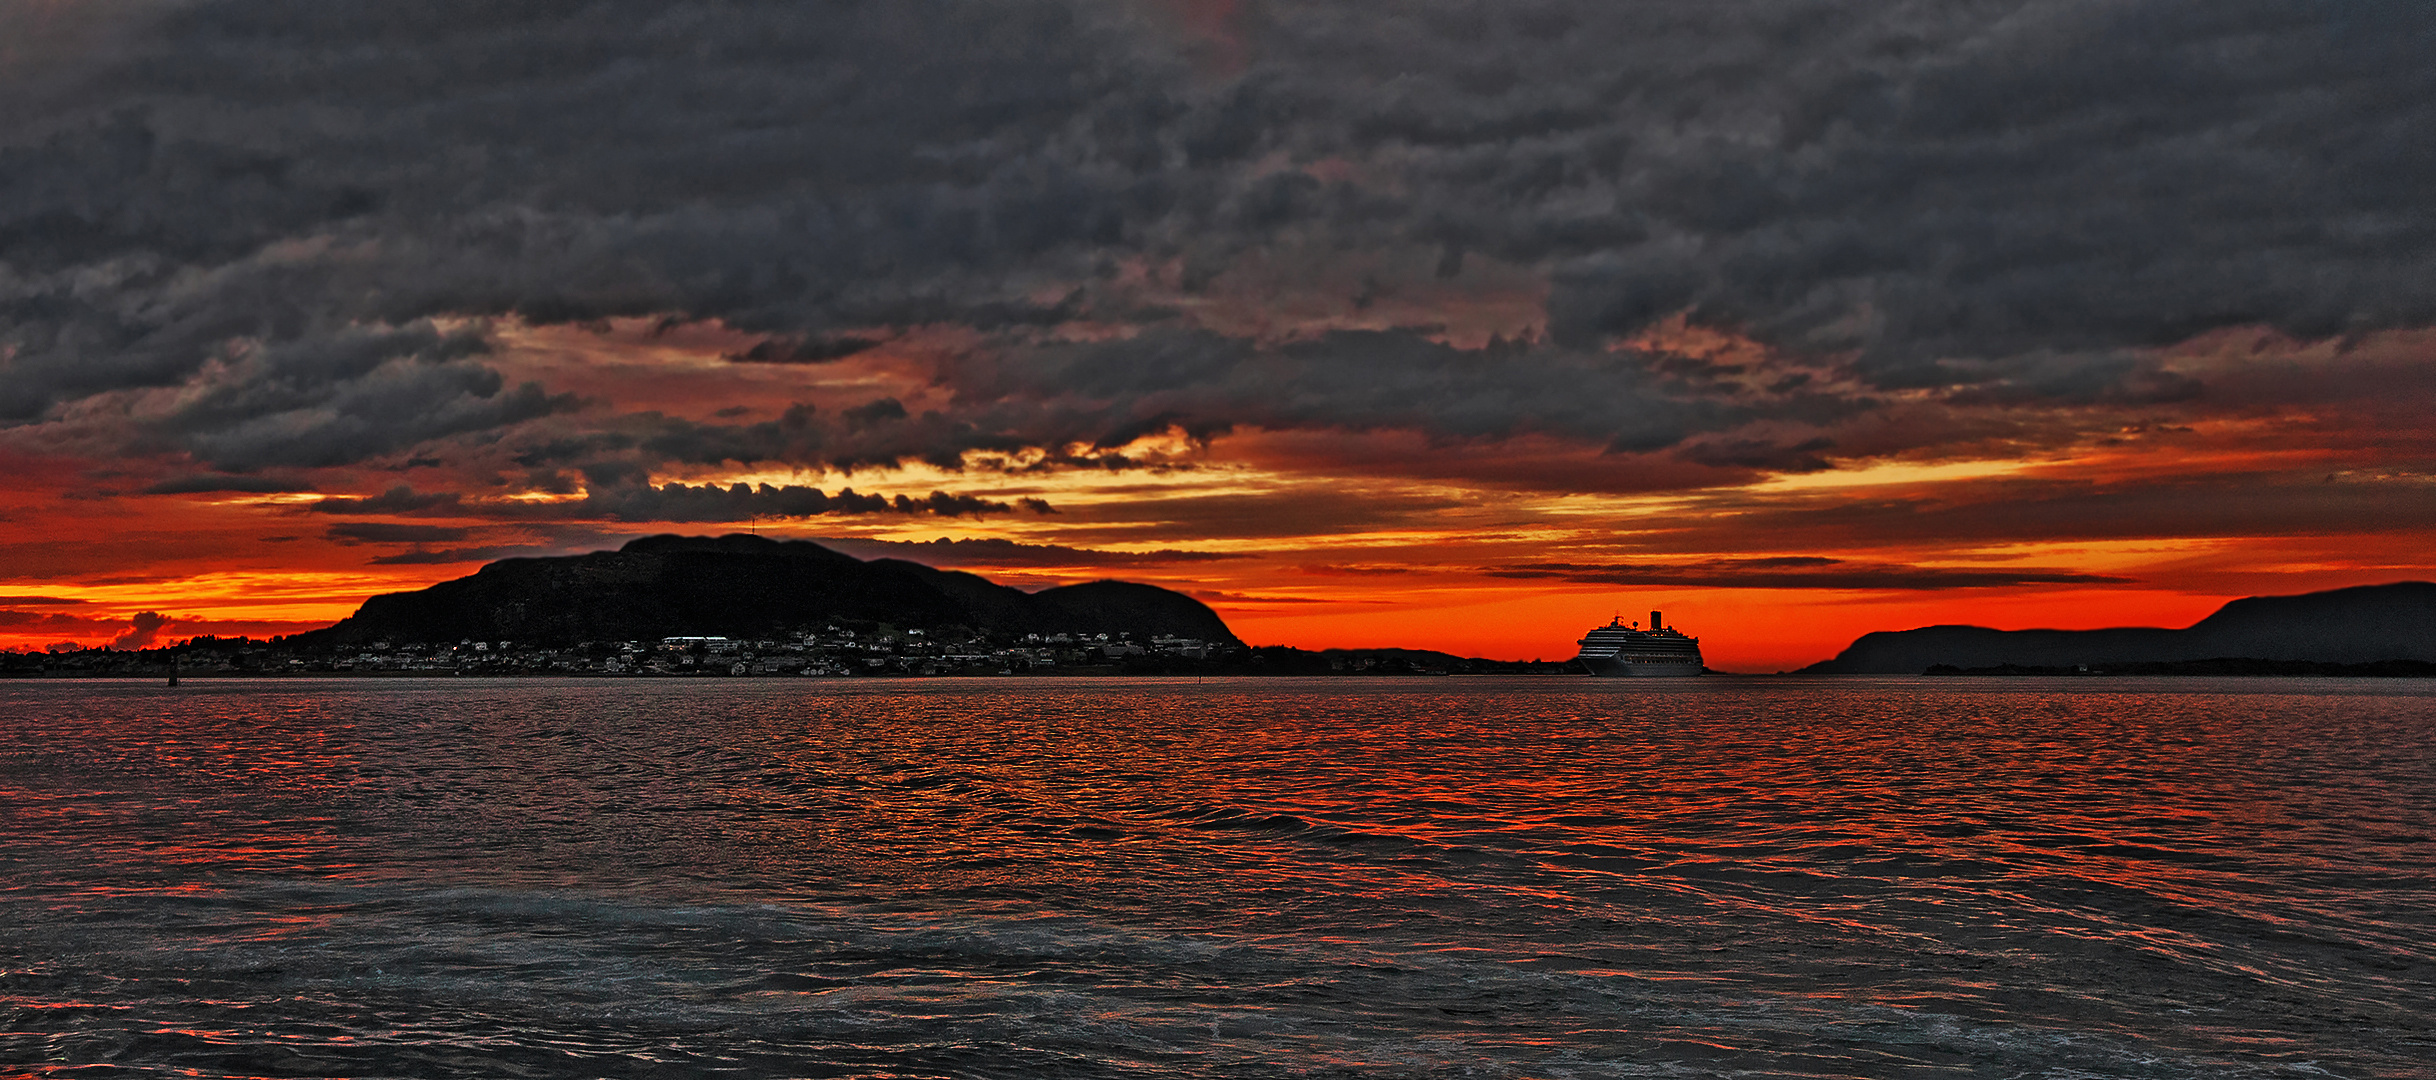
1311 510
2001 510
739 502
216 483
997 552
1974 181
1202 383
347 396
946 505
45 622
1759 454
801 351
251 186
262 202
138 632
710 502
637 501
384 532
141 630
1797 572
401 499
445 556
875 412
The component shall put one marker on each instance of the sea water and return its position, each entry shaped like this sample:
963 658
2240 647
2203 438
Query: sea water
1166 878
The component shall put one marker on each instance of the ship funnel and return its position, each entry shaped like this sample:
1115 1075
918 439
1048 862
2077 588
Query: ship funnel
1656 623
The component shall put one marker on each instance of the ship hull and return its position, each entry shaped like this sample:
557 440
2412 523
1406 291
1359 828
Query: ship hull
1618 667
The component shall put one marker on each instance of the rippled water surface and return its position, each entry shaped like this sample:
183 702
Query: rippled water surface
1118 878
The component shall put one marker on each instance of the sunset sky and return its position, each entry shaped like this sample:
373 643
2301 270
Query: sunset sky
1450 325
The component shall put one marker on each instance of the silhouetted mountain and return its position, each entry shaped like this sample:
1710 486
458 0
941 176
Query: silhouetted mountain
747 586
2360 625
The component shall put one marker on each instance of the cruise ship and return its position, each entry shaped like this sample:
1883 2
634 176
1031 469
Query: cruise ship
1618 649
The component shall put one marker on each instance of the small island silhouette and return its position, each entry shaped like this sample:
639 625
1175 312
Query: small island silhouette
749 605
747 587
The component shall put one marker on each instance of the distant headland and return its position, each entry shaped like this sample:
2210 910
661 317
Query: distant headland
2367 630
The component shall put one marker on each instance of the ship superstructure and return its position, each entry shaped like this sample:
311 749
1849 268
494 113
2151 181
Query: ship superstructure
1620 649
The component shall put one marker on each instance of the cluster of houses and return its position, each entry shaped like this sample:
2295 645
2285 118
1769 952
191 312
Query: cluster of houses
829 652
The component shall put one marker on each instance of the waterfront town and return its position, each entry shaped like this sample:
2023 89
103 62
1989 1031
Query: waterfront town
829 651
824 652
